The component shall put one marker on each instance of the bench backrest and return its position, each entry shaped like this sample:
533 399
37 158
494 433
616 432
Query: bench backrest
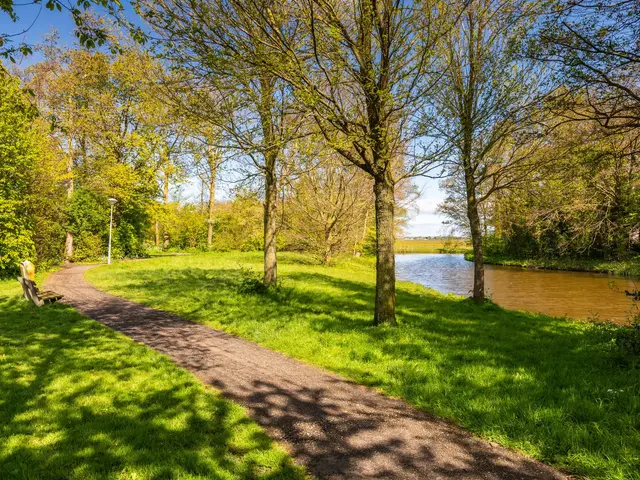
27 280
28 270
30 291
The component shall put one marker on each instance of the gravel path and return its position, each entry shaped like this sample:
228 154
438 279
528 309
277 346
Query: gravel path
336 428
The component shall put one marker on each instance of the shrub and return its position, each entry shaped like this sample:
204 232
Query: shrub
627 338
88 246
251 284
18 152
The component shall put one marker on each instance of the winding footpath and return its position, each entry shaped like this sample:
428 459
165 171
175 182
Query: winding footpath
336 428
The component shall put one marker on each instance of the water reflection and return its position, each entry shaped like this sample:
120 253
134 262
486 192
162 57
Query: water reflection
575 294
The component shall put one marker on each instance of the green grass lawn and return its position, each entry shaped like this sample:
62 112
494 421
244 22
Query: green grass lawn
80 401
545 386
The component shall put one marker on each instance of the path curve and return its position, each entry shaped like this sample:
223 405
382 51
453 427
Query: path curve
336 428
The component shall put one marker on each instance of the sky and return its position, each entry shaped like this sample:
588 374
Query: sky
426 222
36 21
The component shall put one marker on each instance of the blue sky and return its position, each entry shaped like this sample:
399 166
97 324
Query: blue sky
427 222
39 21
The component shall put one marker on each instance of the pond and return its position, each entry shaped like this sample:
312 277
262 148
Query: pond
574 294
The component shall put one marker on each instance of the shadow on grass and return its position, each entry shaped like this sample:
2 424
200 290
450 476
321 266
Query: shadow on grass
80 401
540 384
337 428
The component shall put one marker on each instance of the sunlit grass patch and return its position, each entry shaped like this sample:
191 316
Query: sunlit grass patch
542 385
78 400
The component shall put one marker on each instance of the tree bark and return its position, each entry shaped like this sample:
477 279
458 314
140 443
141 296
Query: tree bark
213 161
478 258
328 238
201 195
68 241
212 196
271 152
68 246
385 306
165 186
165 197
270 225
157 233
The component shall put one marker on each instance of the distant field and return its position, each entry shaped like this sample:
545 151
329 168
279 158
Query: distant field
432 245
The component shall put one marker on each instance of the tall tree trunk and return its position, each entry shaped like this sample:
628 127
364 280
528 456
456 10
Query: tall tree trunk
165 197
470 165
478 258
166 186
157 233
364 233
270 226
328 239
201 195
212 196
68 241
385 307
271 152
68 246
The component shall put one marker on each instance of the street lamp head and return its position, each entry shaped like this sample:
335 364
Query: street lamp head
111 201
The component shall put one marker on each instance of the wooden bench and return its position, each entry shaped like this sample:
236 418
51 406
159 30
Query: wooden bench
31 291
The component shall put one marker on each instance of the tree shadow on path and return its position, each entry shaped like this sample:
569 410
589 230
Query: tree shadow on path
535 382
79 401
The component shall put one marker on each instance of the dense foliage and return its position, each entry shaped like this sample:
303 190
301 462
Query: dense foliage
584 204
18 151
89 129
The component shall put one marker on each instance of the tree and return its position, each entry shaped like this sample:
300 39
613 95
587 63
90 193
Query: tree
32 181
486 107
207 164
105 118
172 150
238 223
583 204
18 151
58 90
593 47
88 32
362 71
221 56
327 204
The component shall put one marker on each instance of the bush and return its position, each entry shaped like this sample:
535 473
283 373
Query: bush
16 244
87 246
18 152
251 284
621 339
493 245
627 339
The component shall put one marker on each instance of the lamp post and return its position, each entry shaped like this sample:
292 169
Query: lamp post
112 202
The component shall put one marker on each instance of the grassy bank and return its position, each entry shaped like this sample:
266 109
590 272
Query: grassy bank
78 400
628 267
545 386
431 245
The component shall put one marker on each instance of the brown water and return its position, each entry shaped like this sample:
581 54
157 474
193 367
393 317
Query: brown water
573 294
